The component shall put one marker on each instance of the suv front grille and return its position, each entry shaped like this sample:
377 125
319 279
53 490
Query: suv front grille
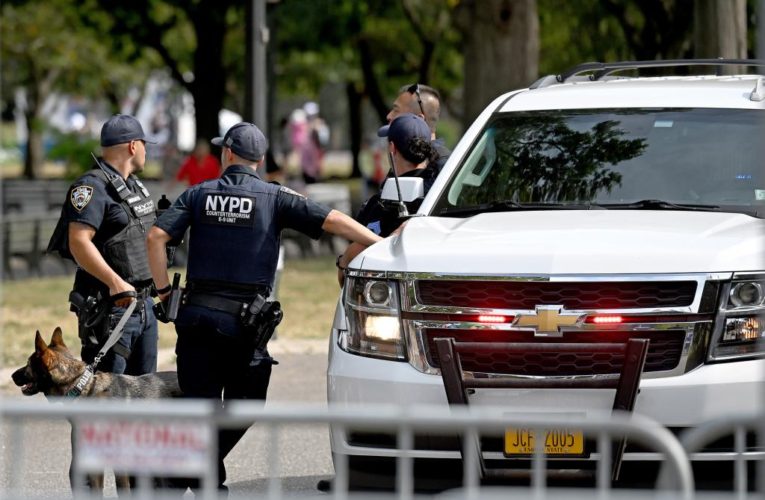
664 352
527 295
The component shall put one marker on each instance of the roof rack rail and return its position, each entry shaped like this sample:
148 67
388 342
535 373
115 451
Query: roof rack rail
599 69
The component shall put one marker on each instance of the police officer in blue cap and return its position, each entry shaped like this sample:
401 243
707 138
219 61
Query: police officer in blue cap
235 224
102 227
410 152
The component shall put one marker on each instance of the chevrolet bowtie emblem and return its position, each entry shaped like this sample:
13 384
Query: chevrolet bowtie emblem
548 320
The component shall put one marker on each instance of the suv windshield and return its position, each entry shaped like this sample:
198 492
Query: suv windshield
673 159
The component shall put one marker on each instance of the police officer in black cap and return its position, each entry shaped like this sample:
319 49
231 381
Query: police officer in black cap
103 225
410 152
235 224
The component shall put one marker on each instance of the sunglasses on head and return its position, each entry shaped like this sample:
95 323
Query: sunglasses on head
415 90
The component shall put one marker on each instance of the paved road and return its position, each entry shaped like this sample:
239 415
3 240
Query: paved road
44 455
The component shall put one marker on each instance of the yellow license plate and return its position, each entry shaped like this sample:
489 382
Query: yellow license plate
557 442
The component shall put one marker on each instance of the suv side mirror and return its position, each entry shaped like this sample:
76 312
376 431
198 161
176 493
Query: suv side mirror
412 188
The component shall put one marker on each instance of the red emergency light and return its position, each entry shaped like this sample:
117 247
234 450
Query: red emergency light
491 318
606 320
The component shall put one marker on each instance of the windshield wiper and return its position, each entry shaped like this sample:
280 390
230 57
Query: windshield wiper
659 205
493 206
508 206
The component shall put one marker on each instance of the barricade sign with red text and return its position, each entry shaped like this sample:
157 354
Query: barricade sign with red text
140 447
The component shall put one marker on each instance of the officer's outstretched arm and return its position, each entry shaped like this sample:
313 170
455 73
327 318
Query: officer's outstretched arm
340 224
156 243
90 259
350 253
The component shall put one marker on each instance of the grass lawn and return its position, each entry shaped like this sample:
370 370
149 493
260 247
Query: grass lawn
308 293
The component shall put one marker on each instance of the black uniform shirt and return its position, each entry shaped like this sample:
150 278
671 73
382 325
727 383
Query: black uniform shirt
383 219
239 243
442 154
434 167
91 201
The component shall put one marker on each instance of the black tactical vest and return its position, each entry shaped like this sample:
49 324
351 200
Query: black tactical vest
125 252
234 233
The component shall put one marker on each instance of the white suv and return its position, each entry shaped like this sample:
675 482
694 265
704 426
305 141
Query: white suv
583 210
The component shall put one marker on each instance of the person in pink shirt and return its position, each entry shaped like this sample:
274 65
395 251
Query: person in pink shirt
199 166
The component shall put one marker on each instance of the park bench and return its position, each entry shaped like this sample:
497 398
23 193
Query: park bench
25 239
30 211
23 196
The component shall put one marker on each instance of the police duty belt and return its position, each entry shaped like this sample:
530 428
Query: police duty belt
113 338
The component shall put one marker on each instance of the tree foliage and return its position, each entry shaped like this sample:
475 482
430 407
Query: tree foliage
541 158
368 47
379 45
188 36
47 50
553 163
371 48
576 32
613 30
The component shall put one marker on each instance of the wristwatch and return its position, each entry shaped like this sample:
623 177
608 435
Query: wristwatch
337 262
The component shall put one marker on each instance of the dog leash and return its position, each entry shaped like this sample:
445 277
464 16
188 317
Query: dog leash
113 338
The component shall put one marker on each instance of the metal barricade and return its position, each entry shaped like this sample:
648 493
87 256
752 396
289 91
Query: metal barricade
695 439
468 422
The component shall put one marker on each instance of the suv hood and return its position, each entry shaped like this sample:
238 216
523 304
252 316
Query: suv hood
573 242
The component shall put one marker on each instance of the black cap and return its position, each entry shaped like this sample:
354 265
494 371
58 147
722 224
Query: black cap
120 129
244 139
403 129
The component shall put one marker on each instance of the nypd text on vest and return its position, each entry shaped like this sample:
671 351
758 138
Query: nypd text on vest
228 209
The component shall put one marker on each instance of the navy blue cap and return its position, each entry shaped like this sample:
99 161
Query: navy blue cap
244 139
120 129
403 129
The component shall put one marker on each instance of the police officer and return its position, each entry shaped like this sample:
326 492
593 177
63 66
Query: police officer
411 151
425 102
235 226
103 226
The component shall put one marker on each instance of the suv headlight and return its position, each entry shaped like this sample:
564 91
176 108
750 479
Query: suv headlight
374 325
741 331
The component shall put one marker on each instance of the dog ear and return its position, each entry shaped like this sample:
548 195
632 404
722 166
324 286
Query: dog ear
57 339
40 345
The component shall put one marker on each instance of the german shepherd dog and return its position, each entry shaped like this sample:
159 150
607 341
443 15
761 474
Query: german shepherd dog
54 371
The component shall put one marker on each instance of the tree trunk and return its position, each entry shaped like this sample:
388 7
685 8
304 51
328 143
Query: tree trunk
37 92
209 83
249 64
371 87
501 40
662 33
271 58
35 155
428 50
720 29
354 115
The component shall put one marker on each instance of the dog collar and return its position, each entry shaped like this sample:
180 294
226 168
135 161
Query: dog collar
81 383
